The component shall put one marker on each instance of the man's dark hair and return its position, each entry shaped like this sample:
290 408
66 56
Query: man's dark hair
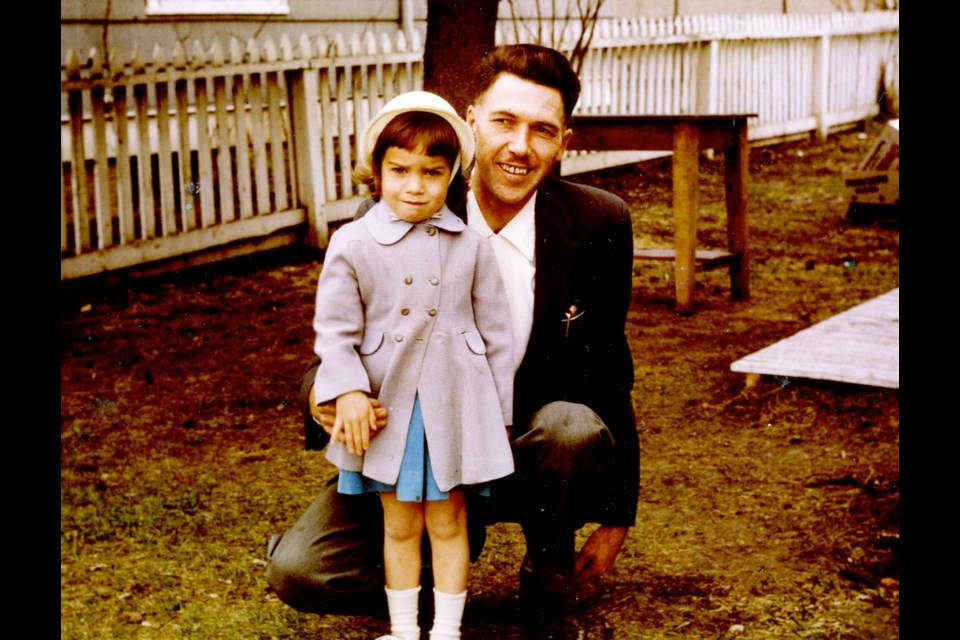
535 63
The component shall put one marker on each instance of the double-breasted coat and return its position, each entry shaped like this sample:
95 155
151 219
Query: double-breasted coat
408 309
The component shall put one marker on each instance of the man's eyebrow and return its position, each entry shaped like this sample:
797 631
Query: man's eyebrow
542 123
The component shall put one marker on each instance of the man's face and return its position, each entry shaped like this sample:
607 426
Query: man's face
520 134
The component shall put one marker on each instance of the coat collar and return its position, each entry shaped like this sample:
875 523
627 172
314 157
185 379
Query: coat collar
551 216
387 229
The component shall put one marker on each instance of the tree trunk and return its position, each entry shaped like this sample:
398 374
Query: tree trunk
459 32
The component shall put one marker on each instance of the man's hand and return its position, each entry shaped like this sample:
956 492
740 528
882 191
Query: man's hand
325 415
599 552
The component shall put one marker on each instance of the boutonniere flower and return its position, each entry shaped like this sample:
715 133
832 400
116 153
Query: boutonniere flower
569 316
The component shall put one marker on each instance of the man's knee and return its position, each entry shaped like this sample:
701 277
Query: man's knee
285 577
568 428
332 558
564 441
308 589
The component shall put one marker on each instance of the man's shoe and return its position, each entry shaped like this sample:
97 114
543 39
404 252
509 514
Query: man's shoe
542 613
562 628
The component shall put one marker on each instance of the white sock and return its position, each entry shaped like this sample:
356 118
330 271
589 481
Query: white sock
403 606
448 612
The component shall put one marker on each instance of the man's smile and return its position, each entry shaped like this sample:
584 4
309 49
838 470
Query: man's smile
514 169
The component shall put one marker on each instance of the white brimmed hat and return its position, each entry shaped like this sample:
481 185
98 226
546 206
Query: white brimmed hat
416 101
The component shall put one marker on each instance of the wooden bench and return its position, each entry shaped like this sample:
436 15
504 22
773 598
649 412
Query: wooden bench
686 136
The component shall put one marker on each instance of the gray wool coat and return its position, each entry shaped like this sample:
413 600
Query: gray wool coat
405 309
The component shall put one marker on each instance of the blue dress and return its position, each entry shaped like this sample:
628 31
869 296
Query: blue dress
415 482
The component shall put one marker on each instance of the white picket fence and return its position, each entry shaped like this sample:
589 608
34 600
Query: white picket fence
194 156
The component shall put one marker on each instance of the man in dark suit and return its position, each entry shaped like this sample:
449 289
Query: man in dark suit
566 254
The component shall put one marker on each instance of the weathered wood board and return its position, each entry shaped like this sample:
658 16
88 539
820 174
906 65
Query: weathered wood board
859 346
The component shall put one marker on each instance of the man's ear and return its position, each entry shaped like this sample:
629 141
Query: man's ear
565 139
471 116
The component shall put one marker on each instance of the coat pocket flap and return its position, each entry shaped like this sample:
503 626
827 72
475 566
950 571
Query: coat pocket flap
371 342
475 341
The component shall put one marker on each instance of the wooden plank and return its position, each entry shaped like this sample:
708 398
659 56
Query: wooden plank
343 129
242 148
127 228
304 133
144 163
651 132
204 188
81 189
277 149
858 346
259 144
582 161
168 214
358 123
64 222
328 131
188 214
633 58
224 165
198 241
102 193
645 67
706 259
390 82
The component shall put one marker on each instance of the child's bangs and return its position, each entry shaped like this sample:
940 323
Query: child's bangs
418 131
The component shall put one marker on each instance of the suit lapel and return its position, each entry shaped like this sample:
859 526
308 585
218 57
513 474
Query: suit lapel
555 258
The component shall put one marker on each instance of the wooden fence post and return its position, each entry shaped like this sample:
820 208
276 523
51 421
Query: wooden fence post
304 93
708 74
821 88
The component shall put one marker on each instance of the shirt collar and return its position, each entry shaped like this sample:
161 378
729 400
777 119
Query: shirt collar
387 228
519 232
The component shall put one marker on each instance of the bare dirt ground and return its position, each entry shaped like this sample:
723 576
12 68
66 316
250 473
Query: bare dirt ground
766 511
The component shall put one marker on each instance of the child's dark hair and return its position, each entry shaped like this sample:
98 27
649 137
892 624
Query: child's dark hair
416 131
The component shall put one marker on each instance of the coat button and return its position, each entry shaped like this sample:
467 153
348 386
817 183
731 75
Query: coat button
434 281
398 338
431 231
404 312
432 312
408 280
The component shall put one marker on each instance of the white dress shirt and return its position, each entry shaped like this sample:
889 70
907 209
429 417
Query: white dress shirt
515 248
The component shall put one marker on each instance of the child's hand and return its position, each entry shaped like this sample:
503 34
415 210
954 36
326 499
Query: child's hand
325 414
355 415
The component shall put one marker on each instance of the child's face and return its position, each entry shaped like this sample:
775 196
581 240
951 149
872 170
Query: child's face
413 184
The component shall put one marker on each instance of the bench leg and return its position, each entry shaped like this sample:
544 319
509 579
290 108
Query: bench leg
686 161
737 171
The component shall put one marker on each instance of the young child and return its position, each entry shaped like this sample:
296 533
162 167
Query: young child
411 310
